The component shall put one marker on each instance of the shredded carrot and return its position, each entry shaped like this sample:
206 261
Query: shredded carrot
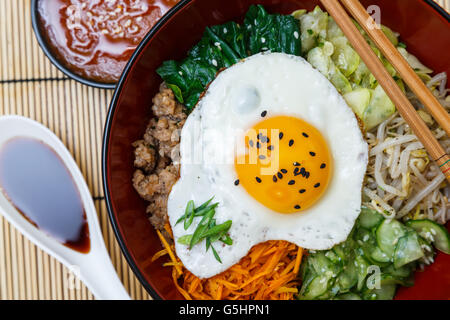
170 252
298 259
268 272
168 229
159 254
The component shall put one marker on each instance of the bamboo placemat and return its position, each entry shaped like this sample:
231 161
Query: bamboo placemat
31 86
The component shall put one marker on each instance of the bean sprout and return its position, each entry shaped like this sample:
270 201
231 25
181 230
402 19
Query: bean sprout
402 181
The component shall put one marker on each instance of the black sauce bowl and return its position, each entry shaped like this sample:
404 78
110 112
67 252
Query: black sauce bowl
39 33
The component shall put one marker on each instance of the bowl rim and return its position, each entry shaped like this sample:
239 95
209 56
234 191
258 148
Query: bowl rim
106 137
55 61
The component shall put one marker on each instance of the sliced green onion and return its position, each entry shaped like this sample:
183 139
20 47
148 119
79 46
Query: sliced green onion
203 206
201 229
208 243
227 240
206 229
215 254
199 212
189 215
186 239
217 229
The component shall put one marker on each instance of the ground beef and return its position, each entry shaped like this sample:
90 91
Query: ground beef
156 156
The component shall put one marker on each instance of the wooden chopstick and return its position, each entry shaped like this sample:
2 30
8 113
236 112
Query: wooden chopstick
400 64
391 88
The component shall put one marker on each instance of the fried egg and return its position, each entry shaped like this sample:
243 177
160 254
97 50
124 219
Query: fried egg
280 151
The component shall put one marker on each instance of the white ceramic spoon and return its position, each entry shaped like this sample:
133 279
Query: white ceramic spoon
94 268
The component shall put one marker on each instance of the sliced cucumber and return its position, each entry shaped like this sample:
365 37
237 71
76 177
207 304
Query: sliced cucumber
402 272
390 279
340 251
304 269
333 290
361 265
363 235
388 233
379 255
430 230
427 248
317 287
322 265
407 250
348 296
307 277
348 278
345 249
385 292
333 257
369 218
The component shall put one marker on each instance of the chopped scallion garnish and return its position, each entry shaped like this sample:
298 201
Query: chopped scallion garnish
207 229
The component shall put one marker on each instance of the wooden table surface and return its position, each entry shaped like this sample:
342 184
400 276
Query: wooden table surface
31 86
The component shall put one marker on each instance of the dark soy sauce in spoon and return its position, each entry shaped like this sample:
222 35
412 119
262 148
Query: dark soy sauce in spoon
36 181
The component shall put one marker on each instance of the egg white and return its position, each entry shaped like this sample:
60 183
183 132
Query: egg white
282 85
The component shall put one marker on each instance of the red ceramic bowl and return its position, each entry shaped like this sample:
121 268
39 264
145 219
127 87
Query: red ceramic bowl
423 26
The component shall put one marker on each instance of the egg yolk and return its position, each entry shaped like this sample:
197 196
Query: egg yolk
286 165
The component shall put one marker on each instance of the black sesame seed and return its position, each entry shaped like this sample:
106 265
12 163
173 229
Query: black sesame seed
302 191
283 170
264 113
296 170
262 157
275 178
236 183
264 139
291 142
297 207
305 135
258 179
280 176
292 182
313 154
317 185
259 136
323 166
296 164
251 143
258 145
302 171
270 148
307 173
281 135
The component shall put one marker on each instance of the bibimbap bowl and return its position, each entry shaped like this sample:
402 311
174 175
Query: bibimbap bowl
171 39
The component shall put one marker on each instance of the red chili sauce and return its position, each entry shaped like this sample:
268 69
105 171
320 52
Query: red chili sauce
96 38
